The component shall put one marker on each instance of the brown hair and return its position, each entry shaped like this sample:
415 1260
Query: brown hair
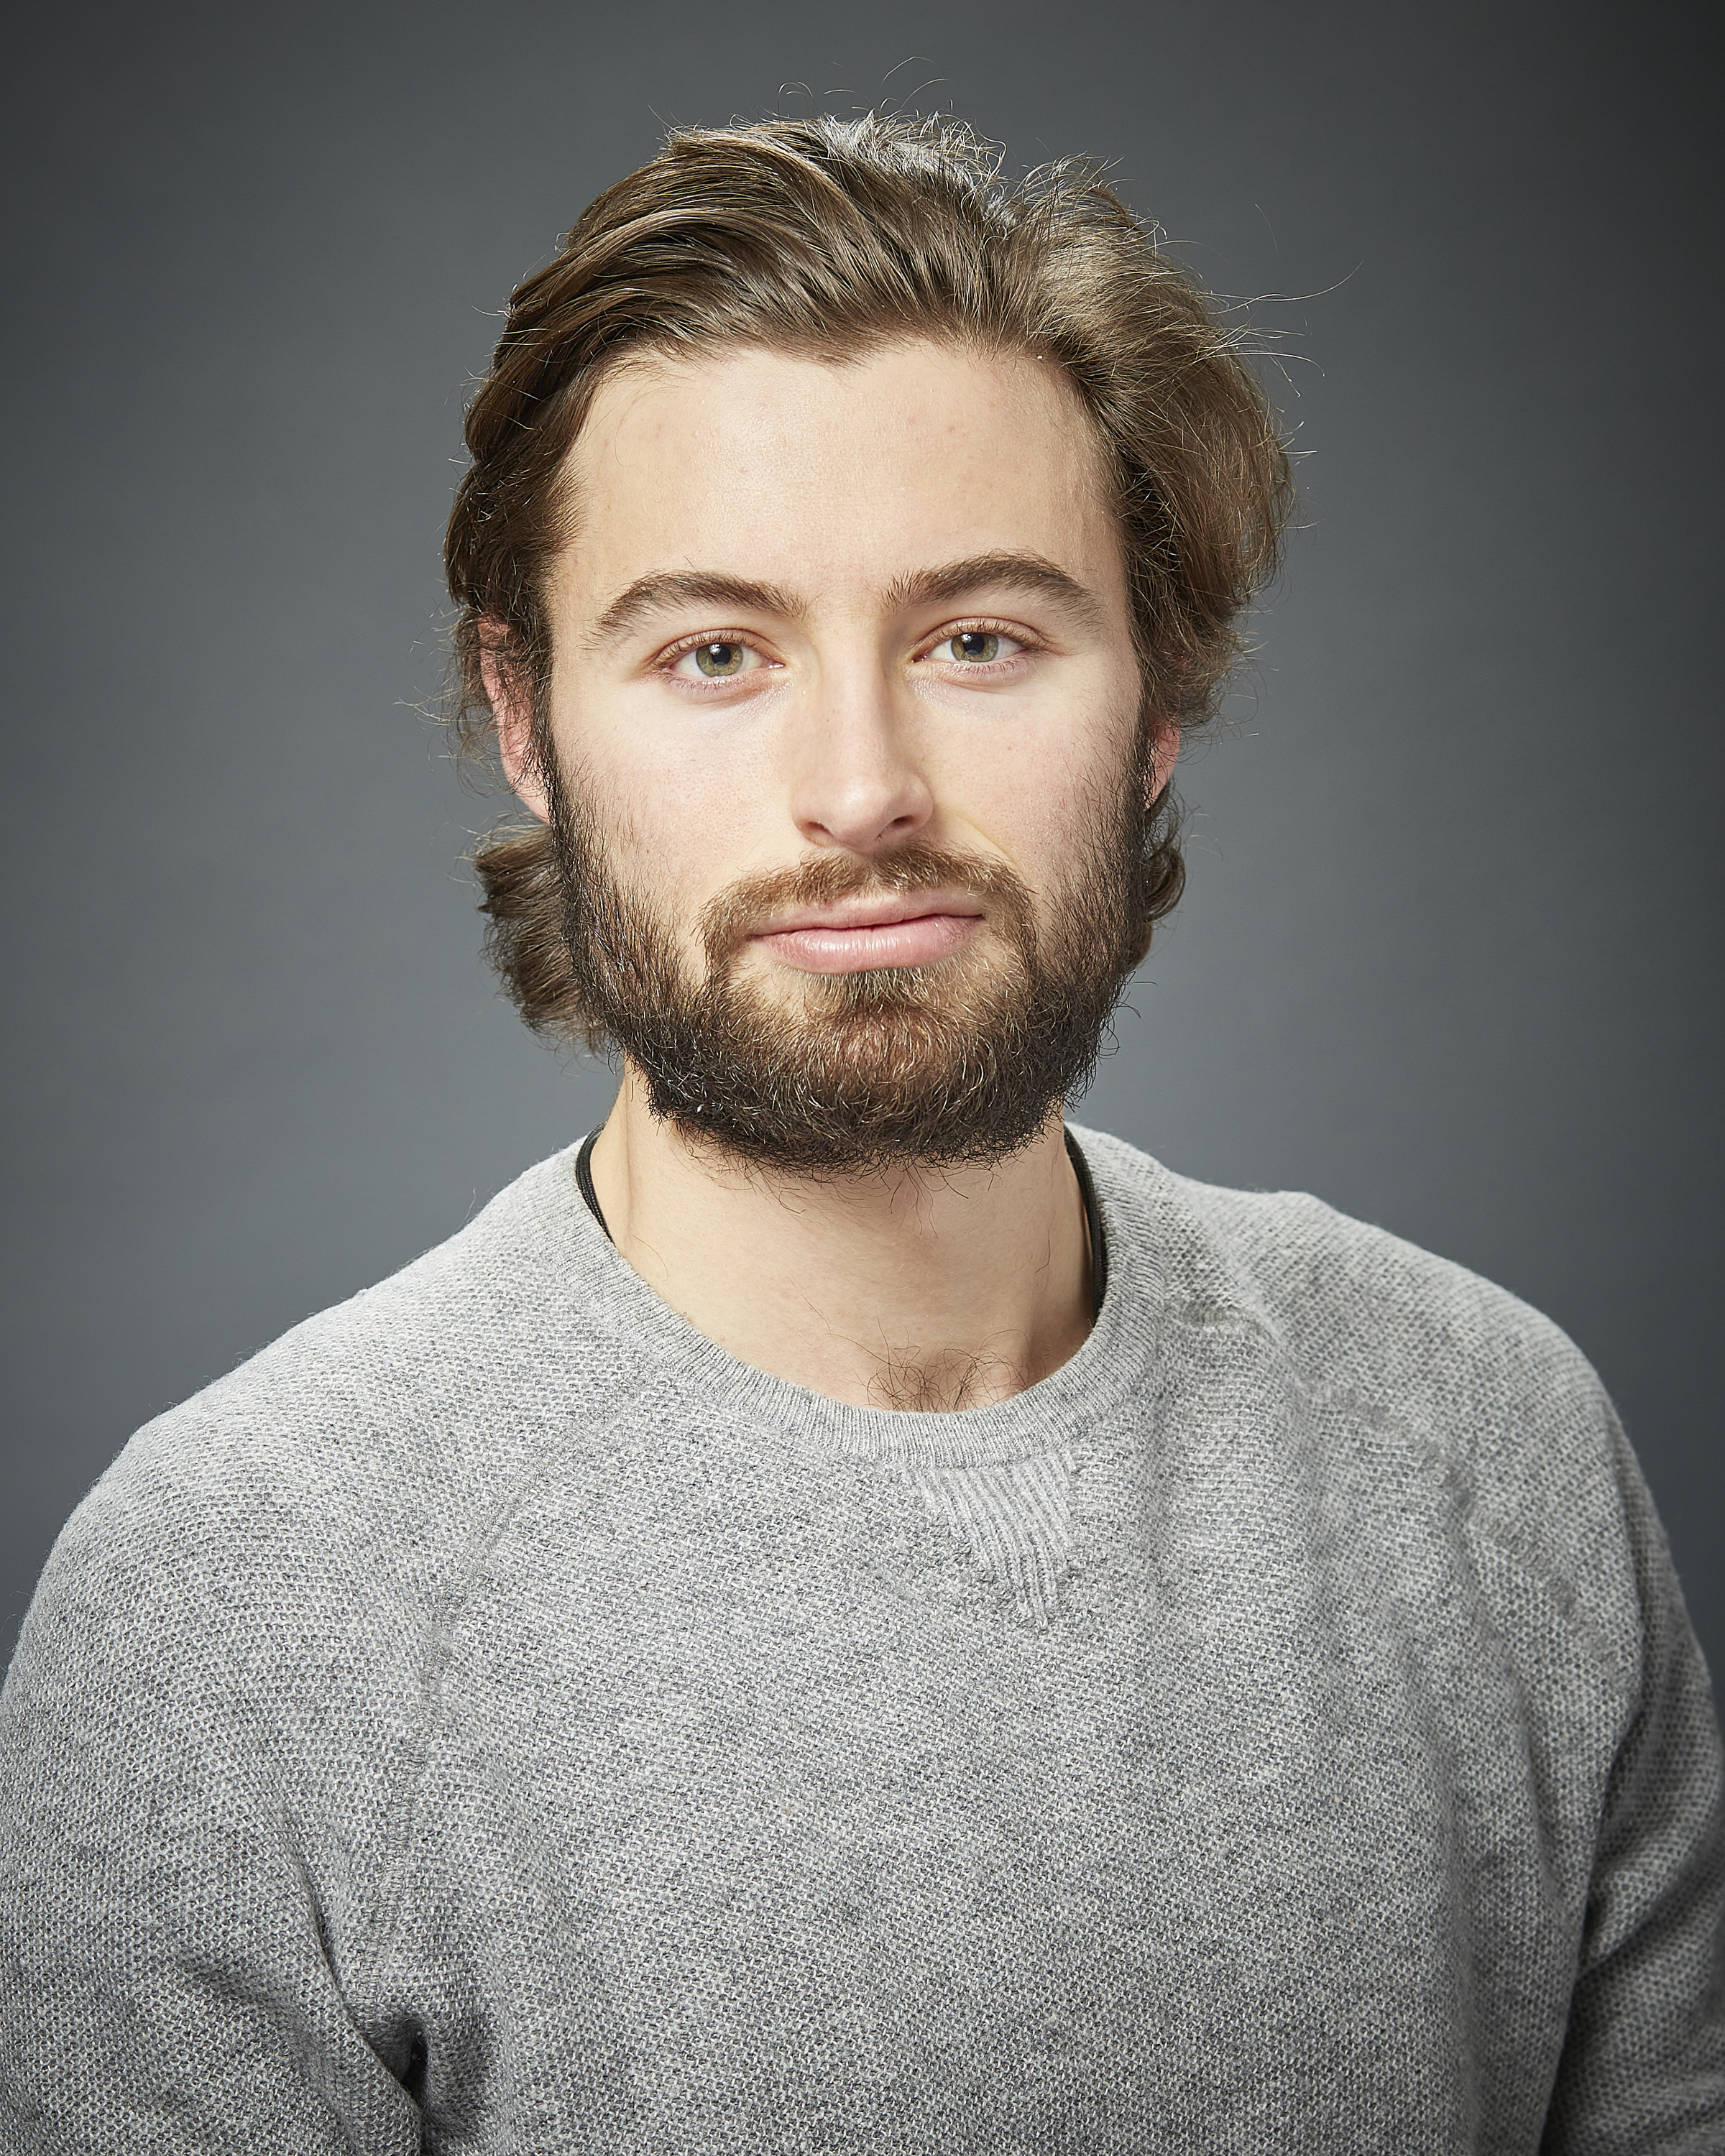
826 239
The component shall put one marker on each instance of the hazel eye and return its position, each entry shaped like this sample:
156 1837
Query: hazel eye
720 659
973 647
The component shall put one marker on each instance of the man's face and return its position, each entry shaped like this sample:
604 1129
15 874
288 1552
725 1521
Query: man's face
850 772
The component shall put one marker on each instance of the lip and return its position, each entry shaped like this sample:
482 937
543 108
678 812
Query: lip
864 934
881 912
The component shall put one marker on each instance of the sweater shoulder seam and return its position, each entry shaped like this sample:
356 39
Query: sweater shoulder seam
401 1806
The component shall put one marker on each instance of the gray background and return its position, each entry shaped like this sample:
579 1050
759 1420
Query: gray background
1448 957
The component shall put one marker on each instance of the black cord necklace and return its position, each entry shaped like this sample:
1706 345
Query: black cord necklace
1087 1191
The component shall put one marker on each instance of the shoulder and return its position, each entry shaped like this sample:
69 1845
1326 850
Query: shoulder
1406 1357
356 1462
1340 1292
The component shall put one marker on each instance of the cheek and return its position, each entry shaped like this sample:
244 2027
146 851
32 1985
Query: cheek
1042 796
685 814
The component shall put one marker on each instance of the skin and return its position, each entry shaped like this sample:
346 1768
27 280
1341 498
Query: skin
845 718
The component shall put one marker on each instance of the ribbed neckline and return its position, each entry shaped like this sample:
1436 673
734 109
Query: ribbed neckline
1086 1388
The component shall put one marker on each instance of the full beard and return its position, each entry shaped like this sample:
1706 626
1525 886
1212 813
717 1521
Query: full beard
955 1064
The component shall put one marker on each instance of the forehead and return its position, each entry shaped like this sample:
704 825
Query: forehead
834 478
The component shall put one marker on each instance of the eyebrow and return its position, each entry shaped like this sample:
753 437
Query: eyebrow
657 594
1015 572
1008 571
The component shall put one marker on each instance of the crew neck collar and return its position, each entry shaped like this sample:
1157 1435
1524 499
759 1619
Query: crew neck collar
1087 1387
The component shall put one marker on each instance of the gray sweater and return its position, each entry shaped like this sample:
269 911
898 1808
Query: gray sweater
495 1719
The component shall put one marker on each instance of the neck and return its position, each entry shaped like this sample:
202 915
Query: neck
929 1288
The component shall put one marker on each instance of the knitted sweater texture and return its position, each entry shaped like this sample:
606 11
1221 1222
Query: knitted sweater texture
495 1719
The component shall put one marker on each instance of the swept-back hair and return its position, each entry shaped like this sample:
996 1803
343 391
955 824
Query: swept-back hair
827 239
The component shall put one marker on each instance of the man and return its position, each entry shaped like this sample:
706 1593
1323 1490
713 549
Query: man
839 1614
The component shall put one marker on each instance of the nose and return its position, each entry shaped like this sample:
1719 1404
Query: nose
857 782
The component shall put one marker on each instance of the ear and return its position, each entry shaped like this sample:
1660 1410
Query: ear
513 713
1164 747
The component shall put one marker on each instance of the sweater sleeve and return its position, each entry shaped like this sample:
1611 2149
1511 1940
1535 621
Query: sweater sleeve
1643 2068
164 1979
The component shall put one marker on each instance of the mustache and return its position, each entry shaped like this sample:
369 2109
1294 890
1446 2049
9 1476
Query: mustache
738 911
